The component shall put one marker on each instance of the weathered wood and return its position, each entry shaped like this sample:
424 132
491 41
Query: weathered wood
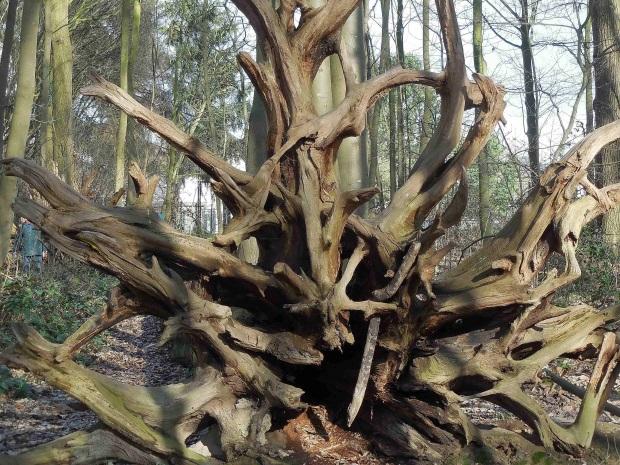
264 334
364 373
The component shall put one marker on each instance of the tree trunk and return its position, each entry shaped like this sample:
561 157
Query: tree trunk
131 134
198 224
340 311
587 54
400 94
130 40
484 181
5 62
219 215
62 84
46 135
386 60
605 18
175 159
134 45
531 104
352 157
427 116
374 119
20 121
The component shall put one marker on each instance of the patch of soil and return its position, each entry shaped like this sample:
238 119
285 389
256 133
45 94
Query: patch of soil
320 442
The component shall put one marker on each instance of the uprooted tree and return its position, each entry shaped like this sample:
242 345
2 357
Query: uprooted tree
339 310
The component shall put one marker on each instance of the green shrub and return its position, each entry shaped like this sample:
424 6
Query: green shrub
55 302
17 388
600 273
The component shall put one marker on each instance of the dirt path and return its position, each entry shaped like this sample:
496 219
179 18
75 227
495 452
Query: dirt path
130 354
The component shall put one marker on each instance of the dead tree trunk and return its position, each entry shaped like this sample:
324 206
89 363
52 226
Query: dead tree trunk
480 330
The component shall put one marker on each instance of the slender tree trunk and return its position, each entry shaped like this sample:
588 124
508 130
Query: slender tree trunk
352 157
172 169
400 93
531 106
386 59
427 116
400 32
131 136
129 8
5 61
134 43
62 82
219 211
587 54
257 135
20 122
605 20
199 207
373 133
175 159
45 106
374 118
595 168
484 189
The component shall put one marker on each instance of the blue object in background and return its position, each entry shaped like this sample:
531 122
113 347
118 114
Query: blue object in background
31 246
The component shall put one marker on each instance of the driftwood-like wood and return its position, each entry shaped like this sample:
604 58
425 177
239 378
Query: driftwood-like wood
294 329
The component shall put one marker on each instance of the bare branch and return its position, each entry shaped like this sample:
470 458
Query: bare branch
398 218
198 153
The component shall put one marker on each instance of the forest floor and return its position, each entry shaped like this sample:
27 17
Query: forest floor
131 354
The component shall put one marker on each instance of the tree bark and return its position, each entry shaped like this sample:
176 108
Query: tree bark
20 121
5 61
400 94
46 135
386 61
175 159
62 83
587 54
352 154
484 178
529 82
605 17
131 136
130 41
427 116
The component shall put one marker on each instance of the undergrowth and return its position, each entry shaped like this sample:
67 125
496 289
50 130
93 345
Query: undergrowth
55 302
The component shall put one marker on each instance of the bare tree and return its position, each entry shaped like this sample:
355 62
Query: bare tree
522 19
